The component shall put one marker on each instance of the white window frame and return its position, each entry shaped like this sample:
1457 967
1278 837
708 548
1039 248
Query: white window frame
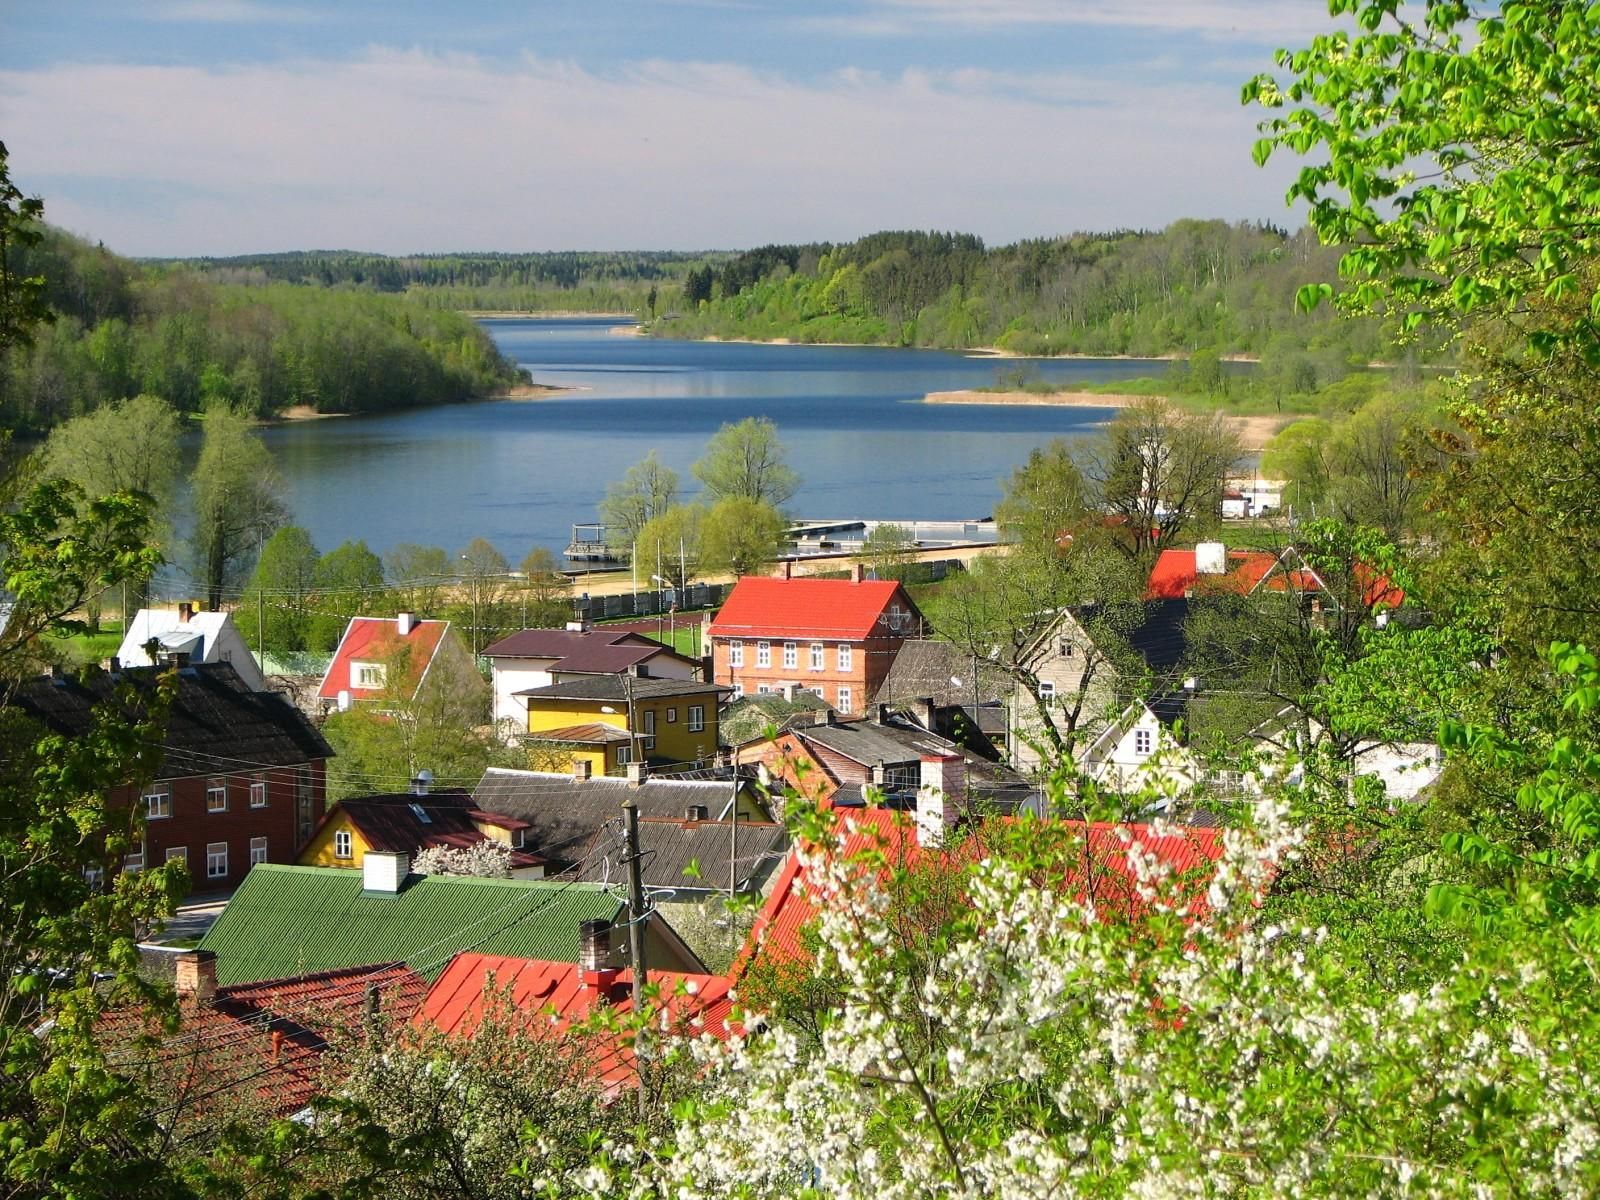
672 715
158 804
846 656
736 652
258 791
94 877
1143 742
258 850
217 794
341 837
133 861
763 654
648 741
697 718
216 860
367 676
624 755
180 852
846 700
818 656
738 689
1047 691
791 656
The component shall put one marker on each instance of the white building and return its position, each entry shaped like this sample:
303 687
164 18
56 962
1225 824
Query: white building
206 637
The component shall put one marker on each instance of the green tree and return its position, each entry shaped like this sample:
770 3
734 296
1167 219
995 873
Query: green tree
670 545
127 447
237 501
350 583
647 489
746 459
280 597
417 575
889 550
1045 498
545 590
484 576
22 305
739 535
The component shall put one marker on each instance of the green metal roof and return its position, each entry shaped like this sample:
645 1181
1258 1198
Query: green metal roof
288 921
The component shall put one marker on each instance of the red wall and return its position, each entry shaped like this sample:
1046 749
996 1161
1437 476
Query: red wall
869 664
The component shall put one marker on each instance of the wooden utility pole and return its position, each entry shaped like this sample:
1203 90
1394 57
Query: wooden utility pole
630 814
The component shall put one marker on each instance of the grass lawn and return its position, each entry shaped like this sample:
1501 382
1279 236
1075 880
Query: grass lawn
684 638
94 647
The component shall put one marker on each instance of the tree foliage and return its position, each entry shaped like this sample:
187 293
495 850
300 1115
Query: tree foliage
740 536
237 501
646 490
745 460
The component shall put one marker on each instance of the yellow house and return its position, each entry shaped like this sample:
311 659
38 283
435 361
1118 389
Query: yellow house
409 823
609 721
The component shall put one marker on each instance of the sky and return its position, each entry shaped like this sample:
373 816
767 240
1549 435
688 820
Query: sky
216 127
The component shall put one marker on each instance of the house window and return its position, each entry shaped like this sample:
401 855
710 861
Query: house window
133 860
624 755
158 804
1047 691
1066 648
341 844
763 654
180 853
216 860
672 716
697 717
258 792
816 656
217 796
650 730
763 689
736 653
846 700
258 850
1141 742
844 656
304 806
366 675
95 877
791 655
738 690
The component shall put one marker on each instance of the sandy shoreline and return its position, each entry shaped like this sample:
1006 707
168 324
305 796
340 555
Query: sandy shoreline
534 391
304 412
512 314
1254 431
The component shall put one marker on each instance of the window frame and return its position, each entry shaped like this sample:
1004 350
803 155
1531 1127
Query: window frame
179 852
695 720
1143 742
846 657
133 861
258 845
791 656
624 755
217 786
258 788
847 699
162 792
214 856
763 654
343 836
647 740
819 656
1047 691
736 652
367 676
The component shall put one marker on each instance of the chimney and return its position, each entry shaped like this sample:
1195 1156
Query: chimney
1211 558
405 623
880 713
858 572
344 700
423 781
195 976
922 711
178 659
879 775
582 768
636 774
577 627
943 782
827 717
384 871
698 812
185 613
594 956
785 570
277 1044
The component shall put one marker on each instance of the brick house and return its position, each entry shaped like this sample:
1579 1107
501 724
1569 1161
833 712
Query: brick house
242 774
835 638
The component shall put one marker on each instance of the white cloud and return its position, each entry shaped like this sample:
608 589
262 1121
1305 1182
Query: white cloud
403 150
1253 20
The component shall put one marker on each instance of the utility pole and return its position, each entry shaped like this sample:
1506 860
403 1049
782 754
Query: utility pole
630 813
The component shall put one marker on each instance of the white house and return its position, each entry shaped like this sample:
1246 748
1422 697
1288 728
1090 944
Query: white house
536 658
206 637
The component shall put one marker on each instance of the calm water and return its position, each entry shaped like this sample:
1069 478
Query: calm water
520 473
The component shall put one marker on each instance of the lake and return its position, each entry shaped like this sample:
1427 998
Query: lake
522 472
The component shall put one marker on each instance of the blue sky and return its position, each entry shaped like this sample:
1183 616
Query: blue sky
232 126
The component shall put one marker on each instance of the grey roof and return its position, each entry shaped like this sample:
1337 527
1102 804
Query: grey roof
216 723
924 669
564 812
899 741
1160 638
619 687
668 846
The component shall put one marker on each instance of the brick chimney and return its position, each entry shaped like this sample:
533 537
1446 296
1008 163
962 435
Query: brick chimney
185 612
594 956
637 773
944 782
784 570
582 768
195 976
858 572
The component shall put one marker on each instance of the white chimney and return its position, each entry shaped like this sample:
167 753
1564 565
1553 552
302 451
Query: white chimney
384 871
944 782
1211 558
637 773
344 700
577 627
405 623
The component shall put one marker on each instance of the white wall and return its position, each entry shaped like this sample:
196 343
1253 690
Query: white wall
512 675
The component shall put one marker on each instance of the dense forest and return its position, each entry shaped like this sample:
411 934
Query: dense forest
1194 285
122 328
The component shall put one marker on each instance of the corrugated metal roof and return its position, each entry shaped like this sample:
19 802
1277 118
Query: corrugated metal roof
668 847
761 606
289 921
620 687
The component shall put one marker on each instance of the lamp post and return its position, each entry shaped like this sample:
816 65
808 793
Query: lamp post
672 626
473 578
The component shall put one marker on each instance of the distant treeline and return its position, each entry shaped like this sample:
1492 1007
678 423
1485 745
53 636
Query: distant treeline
123 328
587 281
1194 285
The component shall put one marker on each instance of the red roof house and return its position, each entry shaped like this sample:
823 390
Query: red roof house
457 1002
1209 566
372 645
836 638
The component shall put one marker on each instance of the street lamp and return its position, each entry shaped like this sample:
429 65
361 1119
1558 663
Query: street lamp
475 631
672 624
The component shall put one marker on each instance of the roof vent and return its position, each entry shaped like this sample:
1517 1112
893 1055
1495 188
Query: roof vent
699 812
594 955
577 627
1211 558
423 781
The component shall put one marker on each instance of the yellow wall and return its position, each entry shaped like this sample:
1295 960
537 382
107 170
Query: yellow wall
319 850
674 740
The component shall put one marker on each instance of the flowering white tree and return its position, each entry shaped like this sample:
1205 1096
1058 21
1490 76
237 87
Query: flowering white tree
486 859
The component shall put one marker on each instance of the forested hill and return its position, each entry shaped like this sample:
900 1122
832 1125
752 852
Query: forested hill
591 281
1194 285
122 328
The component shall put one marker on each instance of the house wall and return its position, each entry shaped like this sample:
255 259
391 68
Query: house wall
319 851
674 740
1065 672
1118 763
512 675
191 826
870 660
788 759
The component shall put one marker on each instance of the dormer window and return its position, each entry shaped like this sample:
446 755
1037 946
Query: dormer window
1066 648
366 675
